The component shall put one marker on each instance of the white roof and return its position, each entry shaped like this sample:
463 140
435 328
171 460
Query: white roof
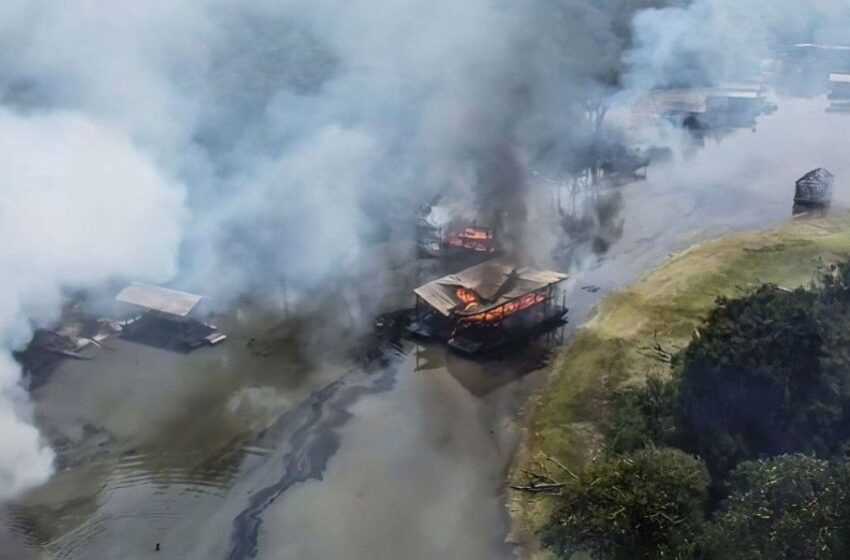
162 300
840 78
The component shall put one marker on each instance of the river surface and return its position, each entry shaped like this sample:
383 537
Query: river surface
223 453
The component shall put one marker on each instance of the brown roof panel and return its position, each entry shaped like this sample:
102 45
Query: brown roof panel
496 282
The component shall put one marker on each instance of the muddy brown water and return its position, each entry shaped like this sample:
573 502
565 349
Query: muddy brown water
224 454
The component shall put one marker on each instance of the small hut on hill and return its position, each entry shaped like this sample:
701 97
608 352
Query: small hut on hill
814 188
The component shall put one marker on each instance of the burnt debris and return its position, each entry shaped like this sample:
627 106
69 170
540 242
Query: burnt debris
76 335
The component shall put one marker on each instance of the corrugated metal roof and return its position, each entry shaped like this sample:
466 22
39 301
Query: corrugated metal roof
496 282
156 298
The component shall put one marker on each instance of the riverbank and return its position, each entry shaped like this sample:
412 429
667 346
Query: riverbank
616 347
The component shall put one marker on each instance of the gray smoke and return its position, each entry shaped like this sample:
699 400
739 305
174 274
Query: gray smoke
233 148
80 205
708 42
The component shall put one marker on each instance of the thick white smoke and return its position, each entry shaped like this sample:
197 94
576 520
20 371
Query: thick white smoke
707 42
79 205
299 128
302 130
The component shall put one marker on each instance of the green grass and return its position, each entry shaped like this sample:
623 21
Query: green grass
665 306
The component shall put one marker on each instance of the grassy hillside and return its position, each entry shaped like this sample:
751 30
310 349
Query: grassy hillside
663 309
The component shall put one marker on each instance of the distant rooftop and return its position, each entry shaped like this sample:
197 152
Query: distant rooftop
738 93
161 300
822 47
840 78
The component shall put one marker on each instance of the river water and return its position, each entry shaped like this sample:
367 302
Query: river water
223 453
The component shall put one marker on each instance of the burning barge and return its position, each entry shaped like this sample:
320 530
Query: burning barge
437 236
489 305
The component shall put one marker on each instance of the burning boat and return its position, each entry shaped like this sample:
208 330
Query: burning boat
471 238
440 236
489 305
167 318
814 189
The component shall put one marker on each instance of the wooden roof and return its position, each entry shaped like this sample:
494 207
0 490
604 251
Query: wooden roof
495 282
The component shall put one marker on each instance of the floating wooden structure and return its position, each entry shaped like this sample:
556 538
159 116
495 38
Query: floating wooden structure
735 106
439 235
488 305
167 318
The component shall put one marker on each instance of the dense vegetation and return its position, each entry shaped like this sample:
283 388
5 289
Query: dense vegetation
641 505
786 507
769 375
761 396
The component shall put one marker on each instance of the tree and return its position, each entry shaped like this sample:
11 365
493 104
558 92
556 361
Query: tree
648 504
643 417
790 507
768 375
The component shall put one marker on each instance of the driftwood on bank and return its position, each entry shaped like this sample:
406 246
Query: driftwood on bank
657 352
543 483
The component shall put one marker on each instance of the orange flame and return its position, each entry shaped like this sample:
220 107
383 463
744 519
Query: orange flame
467 297
473 238
499 313
475 233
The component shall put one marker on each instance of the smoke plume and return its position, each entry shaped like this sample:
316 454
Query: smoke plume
234 148
708 42
80 205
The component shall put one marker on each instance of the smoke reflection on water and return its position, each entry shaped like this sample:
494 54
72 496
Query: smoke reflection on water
430 443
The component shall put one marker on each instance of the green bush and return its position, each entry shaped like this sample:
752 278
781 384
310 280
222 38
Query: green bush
643 417
648 504
762 395
790 507
769 375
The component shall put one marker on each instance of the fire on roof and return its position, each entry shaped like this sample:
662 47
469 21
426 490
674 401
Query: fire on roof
488 302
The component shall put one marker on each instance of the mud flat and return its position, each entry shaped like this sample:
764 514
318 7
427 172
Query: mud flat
664 307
